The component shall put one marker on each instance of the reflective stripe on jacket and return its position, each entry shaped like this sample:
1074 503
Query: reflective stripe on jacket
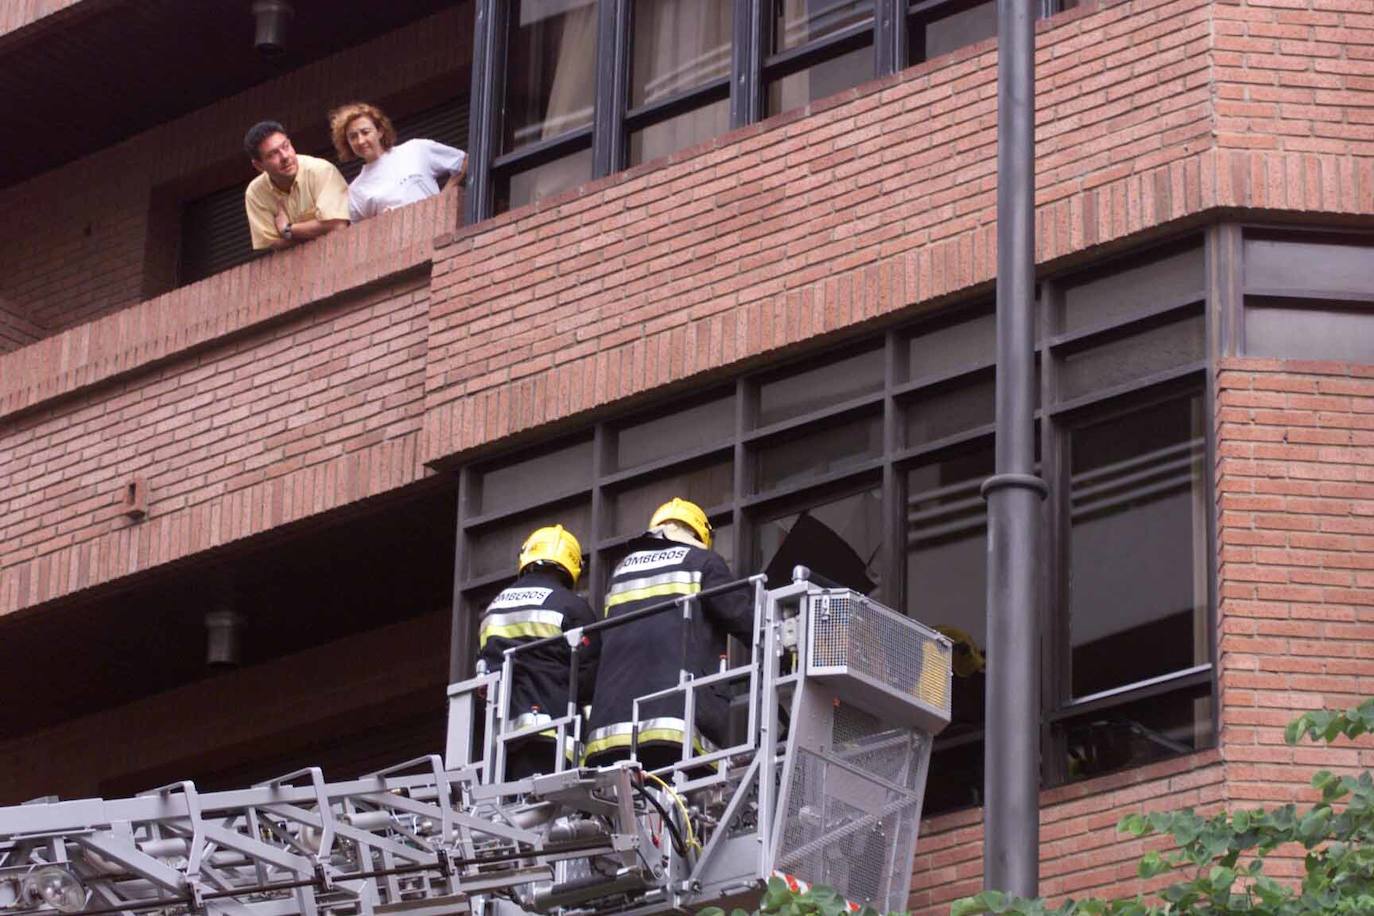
644 657
537 606
659 730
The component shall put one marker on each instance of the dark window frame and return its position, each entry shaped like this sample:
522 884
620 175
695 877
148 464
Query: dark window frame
888 471
754 65
1313 301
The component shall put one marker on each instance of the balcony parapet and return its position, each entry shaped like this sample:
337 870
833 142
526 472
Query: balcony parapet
227 303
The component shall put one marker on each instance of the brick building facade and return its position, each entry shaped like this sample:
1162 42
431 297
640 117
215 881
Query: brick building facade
343 443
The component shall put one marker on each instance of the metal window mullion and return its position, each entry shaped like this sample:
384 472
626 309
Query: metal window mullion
461 655
818 51
1225 296
688 100
488 81
893 493
746 63
1054 681
612 79
889 36
602 440
745 411
1224 259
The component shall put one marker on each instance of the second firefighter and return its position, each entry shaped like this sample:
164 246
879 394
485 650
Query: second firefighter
672 559
539 604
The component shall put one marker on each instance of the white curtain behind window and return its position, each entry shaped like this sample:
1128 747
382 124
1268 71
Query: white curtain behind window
679 45
574 77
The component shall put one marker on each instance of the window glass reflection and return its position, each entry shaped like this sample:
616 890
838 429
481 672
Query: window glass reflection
950 409
679 132
1138 573
1323 264
824 79
1310 329
534 184
1138 733
496 548
837 446
520 483
676 433
797 22
833 381
946 567
961 29
944 348
678 45
839 540
1123 359
707 486
550 69
1106 297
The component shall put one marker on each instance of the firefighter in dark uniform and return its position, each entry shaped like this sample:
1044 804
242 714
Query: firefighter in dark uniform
670 560
540 603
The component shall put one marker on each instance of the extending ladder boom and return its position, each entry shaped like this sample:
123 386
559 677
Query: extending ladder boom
823 780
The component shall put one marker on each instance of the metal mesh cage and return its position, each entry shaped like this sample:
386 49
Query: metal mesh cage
865 742
849 830
853 633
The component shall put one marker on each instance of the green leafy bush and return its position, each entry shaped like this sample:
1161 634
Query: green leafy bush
1219 860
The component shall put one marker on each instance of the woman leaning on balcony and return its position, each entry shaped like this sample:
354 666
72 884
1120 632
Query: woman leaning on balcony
393 174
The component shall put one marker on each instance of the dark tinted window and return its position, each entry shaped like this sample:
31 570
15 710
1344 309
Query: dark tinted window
1308 329
1322 265
838 538
1135 356
550 474
948 346
840 444
678 45
550 70
1173 278
831 381
950 409
496 548
799 22
707 486
1138 733
961 28
676 433
1137 547
823 79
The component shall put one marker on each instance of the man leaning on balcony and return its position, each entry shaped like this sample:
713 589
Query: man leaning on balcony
295 198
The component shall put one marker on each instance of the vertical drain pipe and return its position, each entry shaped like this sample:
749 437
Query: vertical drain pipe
1011 812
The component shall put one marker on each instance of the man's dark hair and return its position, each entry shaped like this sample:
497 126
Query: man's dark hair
258 133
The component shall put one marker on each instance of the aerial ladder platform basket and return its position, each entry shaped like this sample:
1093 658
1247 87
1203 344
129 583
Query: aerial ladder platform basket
836 707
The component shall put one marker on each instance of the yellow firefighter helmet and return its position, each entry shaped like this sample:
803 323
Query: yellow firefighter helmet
686 512
553 544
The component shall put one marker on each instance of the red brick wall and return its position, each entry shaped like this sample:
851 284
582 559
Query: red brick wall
820 220
285 420
812 223
66 258
1295 76
1081 853
1152 112
1296 490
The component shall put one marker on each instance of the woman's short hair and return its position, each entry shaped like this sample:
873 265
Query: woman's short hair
341 117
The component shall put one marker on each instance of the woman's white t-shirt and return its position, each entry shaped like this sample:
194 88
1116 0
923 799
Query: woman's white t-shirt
407 172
